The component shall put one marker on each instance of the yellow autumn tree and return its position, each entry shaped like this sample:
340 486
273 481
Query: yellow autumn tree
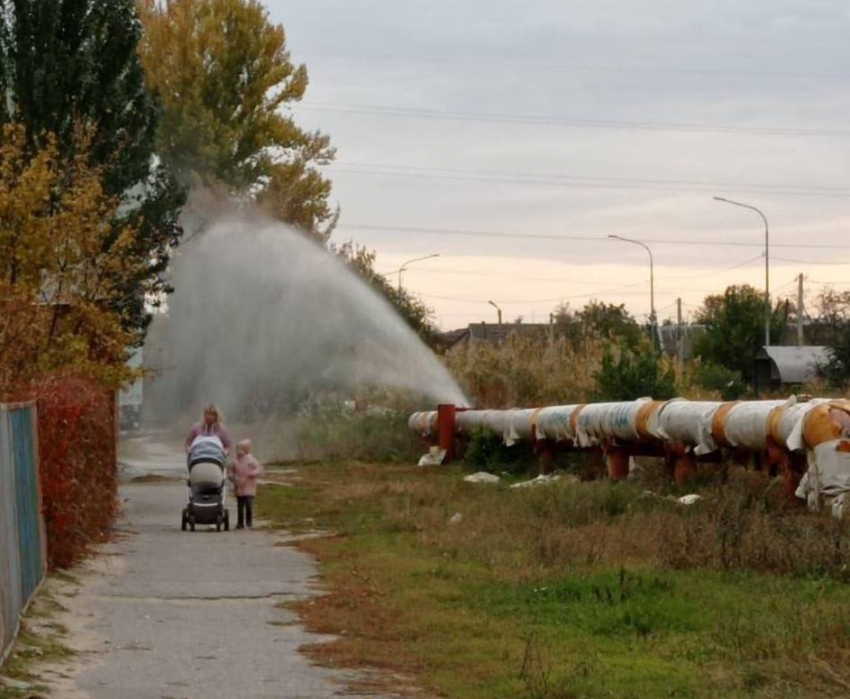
61 265
222 73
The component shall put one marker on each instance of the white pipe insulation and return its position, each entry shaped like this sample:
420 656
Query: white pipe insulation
820 426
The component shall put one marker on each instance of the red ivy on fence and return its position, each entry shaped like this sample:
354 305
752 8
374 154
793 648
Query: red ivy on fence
78 455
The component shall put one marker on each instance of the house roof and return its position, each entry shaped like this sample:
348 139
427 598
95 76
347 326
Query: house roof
796 364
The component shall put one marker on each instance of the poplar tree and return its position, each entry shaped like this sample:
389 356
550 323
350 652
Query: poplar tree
224 77
72 66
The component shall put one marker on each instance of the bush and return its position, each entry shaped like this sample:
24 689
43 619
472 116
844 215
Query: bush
486 450
634 375
728 383
78 466
331 433
527 370
836 370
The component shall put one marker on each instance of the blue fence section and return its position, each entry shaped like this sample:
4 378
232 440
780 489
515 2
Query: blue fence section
22 545
29 516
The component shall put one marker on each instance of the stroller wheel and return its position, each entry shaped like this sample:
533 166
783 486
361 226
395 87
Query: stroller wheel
183 521
227 520
218 522
192 522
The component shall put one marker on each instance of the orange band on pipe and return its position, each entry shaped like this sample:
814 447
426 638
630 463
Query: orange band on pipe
534 417
718 423
574 420
774 419
645 413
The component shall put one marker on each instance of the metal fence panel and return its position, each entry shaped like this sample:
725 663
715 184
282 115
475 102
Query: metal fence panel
10 564
29 516
22 550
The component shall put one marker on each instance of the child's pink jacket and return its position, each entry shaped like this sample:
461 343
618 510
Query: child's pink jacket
245 472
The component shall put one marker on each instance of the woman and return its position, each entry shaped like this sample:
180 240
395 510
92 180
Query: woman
211 424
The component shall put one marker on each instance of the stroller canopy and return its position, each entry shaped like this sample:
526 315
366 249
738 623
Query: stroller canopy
208 449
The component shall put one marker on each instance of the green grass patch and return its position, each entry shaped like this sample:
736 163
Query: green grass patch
571 590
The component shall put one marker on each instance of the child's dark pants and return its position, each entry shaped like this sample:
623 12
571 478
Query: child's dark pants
245 508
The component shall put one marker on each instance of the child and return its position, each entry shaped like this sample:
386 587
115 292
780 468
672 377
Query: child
244 473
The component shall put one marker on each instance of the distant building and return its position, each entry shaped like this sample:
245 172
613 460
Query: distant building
497 332
669 337
778 366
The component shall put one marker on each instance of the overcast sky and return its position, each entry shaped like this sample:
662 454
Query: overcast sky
578 120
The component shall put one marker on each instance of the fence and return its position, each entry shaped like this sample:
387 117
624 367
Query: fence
22 536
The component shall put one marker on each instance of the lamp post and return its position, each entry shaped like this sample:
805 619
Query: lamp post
766 263
651 279
410 262
498 310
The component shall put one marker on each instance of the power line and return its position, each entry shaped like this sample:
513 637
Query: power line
719 271
580 67
540 120
502 275
583 185
810 262
820 281
581 238
378 169
566 279
525 301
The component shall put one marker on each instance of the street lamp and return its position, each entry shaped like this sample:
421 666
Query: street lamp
498 310
766 264
410 262
651 279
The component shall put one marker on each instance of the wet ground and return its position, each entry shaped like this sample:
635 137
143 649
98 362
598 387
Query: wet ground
166 614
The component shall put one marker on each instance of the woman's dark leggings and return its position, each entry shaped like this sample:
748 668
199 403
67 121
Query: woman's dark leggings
245 508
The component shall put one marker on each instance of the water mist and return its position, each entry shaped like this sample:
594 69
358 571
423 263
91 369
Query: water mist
261 315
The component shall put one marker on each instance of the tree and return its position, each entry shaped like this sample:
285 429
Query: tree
836 370
60 306
633 375
607 320
833 309
223 75
734 328
72 65
415 313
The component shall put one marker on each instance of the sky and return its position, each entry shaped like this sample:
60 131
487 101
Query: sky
511 139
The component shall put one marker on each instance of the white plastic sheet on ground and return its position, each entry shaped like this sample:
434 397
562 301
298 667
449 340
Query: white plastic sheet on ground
535 482
690 499
434 457
482 477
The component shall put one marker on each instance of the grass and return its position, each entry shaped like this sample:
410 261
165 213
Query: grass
571 590
40 642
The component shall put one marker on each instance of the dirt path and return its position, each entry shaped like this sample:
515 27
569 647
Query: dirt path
164 614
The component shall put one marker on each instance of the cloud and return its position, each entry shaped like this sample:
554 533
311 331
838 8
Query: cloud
761 64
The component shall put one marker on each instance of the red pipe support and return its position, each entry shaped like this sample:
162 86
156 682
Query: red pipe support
617 461
446 419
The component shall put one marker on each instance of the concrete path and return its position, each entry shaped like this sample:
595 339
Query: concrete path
165 614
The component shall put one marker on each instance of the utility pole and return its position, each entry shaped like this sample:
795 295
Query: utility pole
551 328
800 310
680 332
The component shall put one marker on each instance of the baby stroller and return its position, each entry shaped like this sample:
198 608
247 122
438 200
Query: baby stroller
205 500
